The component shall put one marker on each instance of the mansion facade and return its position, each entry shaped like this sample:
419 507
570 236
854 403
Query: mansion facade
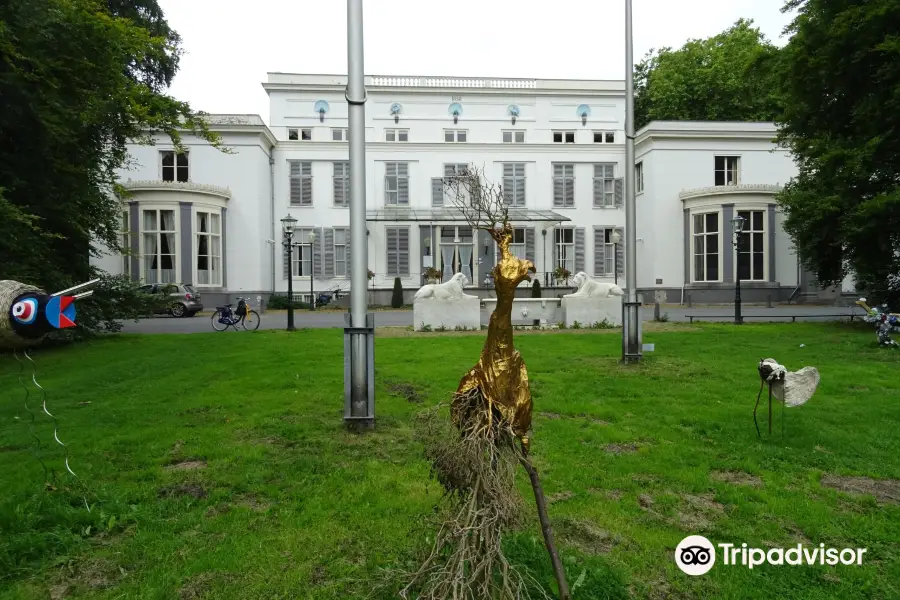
212 219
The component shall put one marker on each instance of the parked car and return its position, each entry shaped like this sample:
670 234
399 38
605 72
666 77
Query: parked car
185 299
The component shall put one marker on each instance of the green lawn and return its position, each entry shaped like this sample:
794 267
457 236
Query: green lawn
217 465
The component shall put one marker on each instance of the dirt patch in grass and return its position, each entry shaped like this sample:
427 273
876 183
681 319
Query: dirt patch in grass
219 509
560 496
645 501
699 512
87 573
411 393
550 415
187 465
618 449
736 478
199 586
254 503
884 490
585 536
176 491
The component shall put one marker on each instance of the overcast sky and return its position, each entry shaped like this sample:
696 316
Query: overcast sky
230 45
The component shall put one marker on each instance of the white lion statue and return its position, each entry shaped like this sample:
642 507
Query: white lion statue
588 288
449 290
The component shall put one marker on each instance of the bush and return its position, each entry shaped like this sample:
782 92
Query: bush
282 303
397 297
536 289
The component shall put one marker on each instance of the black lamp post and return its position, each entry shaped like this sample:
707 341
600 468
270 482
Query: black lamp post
287 226
737 228
616 238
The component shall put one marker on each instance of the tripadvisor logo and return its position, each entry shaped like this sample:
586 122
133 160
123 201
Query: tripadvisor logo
696 555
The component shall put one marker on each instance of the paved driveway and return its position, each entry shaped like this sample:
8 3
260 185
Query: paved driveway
404 318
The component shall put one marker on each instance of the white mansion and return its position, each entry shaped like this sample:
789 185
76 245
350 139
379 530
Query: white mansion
212 219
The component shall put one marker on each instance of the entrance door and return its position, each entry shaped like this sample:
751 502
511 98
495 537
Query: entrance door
457 246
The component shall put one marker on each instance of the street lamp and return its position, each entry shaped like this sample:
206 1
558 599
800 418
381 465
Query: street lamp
287 226
737 228
312 299
615 238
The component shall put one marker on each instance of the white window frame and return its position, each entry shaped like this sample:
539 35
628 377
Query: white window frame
639 177
346 259
455 134
217 274
565 251
301 236
517 248
609 185
517 181
694 234
176 168
126 234
732 163
765 240
609 253
144 251
606 137
396 191
563 134
303 134
513 134
396 134
342 134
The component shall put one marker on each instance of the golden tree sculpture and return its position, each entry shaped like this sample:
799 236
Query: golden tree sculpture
475 456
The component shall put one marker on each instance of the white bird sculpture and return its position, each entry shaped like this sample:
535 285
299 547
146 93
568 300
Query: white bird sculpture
790 388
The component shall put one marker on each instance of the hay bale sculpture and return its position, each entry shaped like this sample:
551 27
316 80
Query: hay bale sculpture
476 456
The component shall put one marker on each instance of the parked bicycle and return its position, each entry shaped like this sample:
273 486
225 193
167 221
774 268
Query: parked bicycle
243 315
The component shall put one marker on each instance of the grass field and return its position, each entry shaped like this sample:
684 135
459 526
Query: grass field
216 465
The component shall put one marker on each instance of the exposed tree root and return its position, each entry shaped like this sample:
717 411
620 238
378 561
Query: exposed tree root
477 467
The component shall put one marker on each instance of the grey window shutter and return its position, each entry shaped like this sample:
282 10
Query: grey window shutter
285 260
598 187
558 185
520 187
296 193
529 243
306 188
579 249
599 251
570 188
347 250
403 184
317 252
509 191
620 191
391 247
341 187
403 251
437 191
328 242
620 252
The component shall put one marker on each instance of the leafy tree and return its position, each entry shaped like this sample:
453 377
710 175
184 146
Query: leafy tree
727 77
397 295
840 81
79 79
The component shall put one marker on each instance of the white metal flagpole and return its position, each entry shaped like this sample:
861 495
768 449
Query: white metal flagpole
361 409
631 329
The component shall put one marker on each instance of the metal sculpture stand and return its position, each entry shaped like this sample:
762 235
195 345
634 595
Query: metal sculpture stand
768 384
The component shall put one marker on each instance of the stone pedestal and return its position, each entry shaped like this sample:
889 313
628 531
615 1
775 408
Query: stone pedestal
590 310
459 312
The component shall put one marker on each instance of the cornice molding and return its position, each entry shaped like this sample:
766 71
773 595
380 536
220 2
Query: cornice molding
463 148
149 185
394 91
728 190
